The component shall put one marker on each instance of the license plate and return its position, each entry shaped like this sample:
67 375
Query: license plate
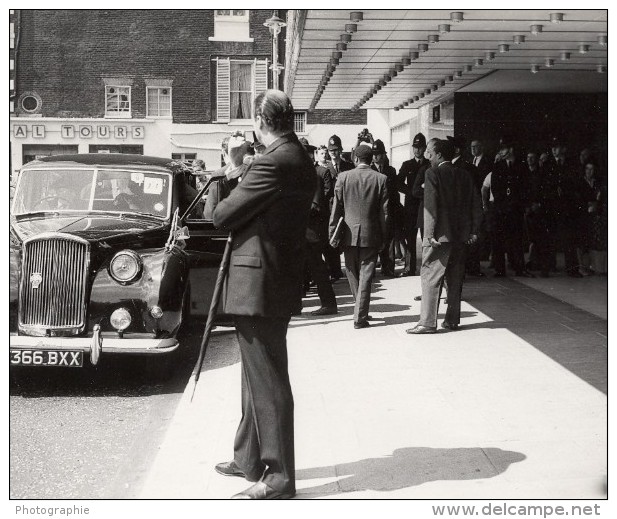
67 359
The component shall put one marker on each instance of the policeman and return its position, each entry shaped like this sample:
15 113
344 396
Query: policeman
381 164
405 181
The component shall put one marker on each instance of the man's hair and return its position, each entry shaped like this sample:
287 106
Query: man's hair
225 144
444 148
275 109
199 163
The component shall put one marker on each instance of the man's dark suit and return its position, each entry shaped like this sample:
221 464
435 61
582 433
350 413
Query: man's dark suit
268 214
333 256
564 183
361 197
482 168
386 255
317 238
452 213
405 181
510 188
472 263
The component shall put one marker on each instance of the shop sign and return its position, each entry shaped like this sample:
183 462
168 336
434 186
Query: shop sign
37 131
81 131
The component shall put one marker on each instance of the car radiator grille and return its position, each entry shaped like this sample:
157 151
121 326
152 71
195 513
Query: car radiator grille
53 283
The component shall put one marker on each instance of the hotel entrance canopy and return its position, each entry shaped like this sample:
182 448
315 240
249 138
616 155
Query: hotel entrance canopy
393 59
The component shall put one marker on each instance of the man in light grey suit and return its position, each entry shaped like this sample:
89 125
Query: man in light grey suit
361 198
452 216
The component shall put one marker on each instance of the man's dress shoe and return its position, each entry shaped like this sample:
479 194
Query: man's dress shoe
262 491
524 274
418 329
449 326
361 324
388 273
417 298
229 468
325 310
406 272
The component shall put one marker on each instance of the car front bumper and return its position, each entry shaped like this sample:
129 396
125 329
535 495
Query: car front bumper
96 345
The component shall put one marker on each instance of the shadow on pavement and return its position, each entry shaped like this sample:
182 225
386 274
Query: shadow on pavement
409 467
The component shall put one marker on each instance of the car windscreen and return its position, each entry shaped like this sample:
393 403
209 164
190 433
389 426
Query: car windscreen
100 190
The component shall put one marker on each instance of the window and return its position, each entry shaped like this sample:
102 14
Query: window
117 101
300 122
11 35
237 83
240 90
232 13
231 25
158 102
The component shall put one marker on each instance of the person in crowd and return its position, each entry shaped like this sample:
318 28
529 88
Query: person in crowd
267 214
381 164
483 165
472 265
537 215
361 198
317 238
406 178
322 156
510 189
480 161
198 167
567 208
544 158
594 239
452 216
336 166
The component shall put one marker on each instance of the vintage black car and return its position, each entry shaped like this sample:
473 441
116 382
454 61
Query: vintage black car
102 256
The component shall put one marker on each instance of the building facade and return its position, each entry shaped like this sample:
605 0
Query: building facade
169 83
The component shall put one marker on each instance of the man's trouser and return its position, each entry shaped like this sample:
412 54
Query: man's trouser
446 262
360 267
264 441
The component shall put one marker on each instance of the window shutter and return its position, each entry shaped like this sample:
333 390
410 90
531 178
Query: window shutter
222 90
261 76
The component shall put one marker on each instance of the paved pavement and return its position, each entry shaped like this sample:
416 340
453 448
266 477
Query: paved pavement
513 405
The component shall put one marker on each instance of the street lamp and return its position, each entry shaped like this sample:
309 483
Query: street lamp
274 25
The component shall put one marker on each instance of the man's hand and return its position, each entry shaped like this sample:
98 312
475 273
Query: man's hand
473 238
434 243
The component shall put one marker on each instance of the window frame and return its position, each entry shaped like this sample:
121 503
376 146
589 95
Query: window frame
159 87
119 115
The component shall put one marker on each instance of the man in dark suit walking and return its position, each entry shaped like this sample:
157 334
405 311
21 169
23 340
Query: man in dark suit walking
335 167
268 214
405 182
361 198
452 215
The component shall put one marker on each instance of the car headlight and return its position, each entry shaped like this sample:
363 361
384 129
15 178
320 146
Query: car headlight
120 319
125 266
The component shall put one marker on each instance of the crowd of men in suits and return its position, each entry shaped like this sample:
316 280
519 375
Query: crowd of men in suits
526 205
533 203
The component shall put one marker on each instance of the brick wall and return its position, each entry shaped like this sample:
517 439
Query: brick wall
336 117
64 56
